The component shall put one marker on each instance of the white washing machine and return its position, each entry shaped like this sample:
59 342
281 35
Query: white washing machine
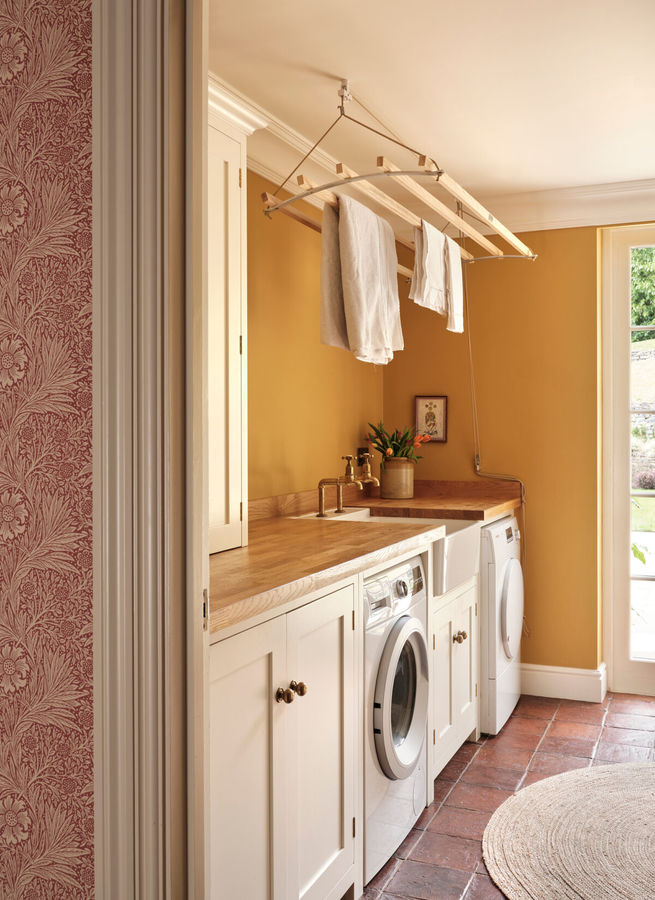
396 708
501 623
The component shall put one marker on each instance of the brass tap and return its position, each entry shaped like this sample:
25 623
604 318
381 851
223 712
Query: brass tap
347 478
366 477
323 483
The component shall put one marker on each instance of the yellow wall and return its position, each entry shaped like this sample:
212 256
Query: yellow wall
308 404
534 337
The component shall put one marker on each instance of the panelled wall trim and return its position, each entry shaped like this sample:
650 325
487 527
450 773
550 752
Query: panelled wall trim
129 316
589 685
274 153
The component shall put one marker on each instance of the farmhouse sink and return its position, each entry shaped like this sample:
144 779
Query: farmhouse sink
456 555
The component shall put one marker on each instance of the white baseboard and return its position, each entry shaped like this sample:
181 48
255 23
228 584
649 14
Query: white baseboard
564 684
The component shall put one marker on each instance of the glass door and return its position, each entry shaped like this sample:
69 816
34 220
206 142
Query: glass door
401 699
642 453
628 451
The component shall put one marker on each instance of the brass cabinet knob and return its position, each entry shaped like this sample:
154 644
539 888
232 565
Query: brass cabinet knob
283 694
299 687
464 635
458 638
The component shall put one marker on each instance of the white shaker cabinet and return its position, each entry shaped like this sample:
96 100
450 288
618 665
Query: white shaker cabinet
454 688
282 774
226 328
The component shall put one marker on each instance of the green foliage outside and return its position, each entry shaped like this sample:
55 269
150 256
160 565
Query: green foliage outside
642 276
642 514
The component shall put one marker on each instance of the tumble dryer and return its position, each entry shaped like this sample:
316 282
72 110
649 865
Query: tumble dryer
501 623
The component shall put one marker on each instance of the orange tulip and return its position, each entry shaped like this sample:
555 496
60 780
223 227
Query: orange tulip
389 451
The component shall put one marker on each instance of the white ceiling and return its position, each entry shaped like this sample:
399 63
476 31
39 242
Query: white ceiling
507 96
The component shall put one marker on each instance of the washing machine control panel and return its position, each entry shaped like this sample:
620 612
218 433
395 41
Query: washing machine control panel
389 592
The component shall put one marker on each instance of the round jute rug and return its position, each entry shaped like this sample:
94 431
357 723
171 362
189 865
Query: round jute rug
585 834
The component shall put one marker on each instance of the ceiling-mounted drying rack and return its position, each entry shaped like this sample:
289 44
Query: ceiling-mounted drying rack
427 167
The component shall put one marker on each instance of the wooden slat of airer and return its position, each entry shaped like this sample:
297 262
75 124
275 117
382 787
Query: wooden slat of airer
388 202
271 203
474 205
385 165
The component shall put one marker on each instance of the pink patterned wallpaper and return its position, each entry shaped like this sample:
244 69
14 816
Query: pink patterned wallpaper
46 665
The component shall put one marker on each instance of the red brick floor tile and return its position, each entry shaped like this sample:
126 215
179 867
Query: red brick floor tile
577 731
409 843
639 723
628 736
380 880
465 823
508 758
582 714
515 739
474 796
453 770
428 814
482 888
583 704
622 753
534 777
442 789
633 707
521 725
567 746
426 882
554 763
536 707
448 851
482 869
370 894
647 698
492 776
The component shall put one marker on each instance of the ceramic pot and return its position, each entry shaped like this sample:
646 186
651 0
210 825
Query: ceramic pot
397 479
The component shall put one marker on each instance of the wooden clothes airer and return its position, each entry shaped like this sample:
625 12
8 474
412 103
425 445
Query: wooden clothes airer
427 167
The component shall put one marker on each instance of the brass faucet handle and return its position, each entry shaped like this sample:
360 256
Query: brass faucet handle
350 471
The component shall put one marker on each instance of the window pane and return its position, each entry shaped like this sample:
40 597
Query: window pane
642 285
642 535
642 451
642 620
642 369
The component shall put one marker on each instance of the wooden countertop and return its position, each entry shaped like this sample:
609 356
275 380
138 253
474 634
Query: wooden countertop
288 558
474 508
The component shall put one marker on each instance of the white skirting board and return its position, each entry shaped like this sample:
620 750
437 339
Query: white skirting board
564 684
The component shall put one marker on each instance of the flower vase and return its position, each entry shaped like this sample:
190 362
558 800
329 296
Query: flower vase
397 479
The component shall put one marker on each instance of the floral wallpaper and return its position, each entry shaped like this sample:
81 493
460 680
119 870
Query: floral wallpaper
46 665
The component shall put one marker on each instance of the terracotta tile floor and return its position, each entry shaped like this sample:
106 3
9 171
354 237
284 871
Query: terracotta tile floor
442 855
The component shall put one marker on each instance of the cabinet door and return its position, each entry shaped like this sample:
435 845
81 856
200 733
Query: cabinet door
226 419
247 771
445 733
321 751
465 664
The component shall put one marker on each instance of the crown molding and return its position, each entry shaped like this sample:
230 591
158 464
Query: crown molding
227 103
616 203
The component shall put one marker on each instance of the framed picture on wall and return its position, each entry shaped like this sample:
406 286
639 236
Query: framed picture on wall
432 417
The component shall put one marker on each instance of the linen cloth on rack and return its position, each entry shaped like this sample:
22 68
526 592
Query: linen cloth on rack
437 278
360 310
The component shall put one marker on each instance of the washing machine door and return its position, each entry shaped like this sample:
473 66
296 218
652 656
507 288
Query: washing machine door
400 705
511 608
